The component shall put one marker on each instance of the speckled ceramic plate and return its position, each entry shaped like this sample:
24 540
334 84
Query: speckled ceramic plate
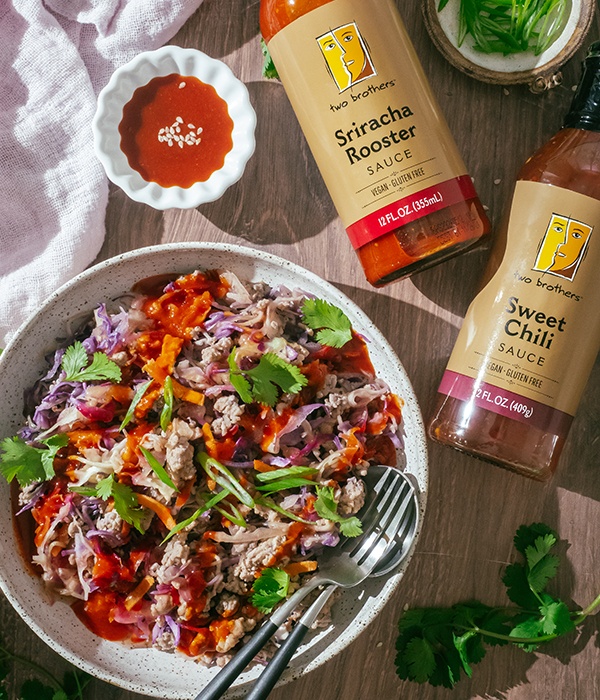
148 671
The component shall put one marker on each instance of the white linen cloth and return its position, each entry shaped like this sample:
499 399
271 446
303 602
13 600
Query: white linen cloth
55 56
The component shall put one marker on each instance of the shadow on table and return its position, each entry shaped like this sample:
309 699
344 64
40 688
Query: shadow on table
281 198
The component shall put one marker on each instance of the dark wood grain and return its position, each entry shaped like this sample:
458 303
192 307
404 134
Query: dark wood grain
281 205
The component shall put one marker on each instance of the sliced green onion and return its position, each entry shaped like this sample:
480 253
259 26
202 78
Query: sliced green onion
270 503
158 468
167 409
188 521
285 484
225 479
234 515
285 473
510 26
137 397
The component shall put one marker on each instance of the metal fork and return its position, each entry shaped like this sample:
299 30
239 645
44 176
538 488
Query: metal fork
347 565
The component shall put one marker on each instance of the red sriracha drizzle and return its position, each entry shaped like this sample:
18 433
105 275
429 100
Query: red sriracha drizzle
176 131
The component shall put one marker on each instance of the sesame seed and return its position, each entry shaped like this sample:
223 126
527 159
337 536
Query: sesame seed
181 85
179 119
191 126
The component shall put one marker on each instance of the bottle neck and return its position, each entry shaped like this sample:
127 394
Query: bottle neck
585 107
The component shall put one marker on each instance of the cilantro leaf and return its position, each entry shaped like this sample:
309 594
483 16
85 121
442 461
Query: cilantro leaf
269 70
101 368
29 464
517 586
420 659
237 379
526 536
331 323
529 628
123 496
556 618
269 589
263 382
437 645
326 507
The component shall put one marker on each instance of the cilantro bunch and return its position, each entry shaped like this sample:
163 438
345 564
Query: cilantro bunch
71 687
438 645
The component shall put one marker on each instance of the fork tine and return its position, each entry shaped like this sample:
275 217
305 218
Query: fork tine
386 510
389 532
371 516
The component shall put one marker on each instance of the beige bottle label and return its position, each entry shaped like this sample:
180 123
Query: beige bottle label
531 336
369 116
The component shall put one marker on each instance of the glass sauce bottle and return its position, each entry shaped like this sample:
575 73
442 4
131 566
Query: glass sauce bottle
378 136
532 334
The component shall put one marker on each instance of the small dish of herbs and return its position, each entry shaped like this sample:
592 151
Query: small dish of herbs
509 41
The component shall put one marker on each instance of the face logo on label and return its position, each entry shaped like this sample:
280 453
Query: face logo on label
563 247
347 55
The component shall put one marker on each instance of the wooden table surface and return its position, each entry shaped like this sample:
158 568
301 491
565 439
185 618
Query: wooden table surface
281 205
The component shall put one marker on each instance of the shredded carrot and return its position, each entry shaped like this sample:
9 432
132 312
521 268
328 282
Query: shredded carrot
184 493
161 510
80 439
147 401
221 450
162 367
120 393
300 567
260 466
186 394
138 592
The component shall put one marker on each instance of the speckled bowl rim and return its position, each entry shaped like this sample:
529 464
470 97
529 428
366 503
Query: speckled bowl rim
138 72
147 671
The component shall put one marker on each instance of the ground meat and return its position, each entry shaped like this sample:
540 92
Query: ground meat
163 604
238 629
212 349
174 559
352 496
180 451
165 641
228 604
229 413
111 521
254 556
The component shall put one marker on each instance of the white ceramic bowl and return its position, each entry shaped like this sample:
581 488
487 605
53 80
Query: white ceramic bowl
149 671
139 72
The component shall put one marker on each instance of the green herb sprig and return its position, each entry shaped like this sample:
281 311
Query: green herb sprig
29 464
123 496
269 589
438 645
263 382
76 368
331 323
510 26
326 507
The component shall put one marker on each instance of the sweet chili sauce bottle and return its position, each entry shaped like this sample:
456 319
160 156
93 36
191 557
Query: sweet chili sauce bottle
532 334
376 132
